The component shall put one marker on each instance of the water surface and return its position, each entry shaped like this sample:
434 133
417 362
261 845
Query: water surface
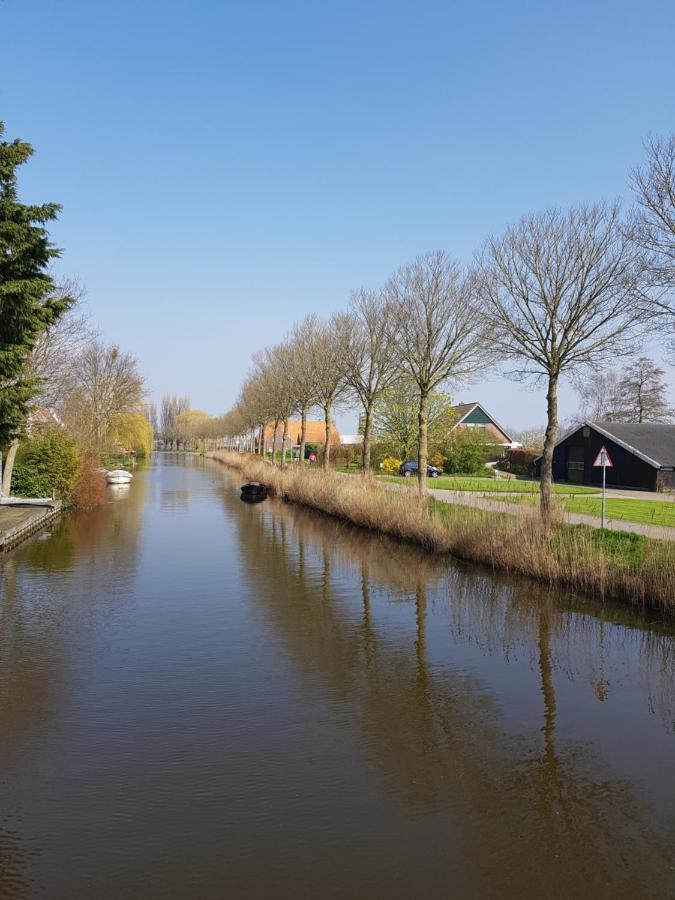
201 698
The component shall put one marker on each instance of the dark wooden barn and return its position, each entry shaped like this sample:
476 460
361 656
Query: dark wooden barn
643 455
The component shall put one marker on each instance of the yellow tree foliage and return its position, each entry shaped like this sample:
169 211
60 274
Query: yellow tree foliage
133 432
192 425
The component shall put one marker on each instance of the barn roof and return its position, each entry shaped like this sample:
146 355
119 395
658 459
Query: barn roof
652 441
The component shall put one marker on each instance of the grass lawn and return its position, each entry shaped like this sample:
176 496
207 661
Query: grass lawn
651 512
491 485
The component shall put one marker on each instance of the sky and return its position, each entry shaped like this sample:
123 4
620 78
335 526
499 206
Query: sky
227 167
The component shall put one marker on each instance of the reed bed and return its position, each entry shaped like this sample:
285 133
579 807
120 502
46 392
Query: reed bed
614 565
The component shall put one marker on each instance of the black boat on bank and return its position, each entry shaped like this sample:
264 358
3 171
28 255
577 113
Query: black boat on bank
253 491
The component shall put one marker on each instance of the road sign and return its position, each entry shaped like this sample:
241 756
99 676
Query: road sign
603 458
604 461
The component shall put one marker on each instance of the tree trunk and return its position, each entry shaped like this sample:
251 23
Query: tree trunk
367 429
422 450
326 449
274 442
284 438
9 468
546 481
303 434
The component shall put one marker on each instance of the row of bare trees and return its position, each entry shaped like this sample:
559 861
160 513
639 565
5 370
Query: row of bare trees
558 294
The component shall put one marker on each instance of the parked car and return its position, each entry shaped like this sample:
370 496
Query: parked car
409 469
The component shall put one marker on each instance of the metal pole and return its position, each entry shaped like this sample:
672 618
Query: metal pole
602 518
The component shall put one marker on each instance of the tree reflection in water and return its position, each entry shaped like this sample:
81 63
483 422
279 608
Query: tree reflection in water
534 816
265 698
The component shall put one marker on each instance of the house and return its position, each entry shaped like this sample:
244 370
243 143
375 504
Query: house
642 455
315 433
473 415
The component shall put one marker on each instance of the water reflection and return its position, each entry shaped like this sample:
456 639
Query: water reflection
37 616
543 816
210 699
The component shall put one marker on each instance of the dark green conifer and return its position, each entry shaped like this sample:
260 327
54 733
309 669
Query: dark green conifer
28 302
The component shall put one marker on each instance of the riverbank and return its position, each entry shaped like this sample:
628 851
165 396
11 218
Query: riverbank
607 564
18 523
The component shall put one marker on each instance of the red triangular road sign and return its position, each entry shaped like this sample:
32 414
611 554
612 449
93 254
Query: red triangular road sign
603 458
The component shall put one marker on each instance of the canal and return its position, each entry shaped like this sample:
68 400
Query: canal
201 698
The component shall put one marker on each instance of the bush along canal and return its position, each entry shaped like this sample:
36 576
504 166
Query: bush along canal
206 698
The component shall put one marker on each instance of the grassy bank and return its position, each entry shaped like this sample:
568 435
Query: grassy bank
627 567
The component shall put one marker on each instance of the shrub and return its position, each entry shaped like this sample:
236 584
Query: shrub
46 465
438 460
346 454
312 447
390 465
520 461
89 488
379 451
468 453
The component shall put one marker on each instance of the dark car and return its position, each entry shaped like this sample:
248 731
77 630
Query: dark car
409 469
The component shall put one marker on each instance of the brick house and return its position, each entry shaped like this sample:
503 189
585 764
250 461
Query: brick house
473 415
315 433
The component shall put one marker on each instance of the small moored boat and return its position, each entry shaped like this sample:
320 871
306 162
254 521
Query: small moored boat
253 491
118 476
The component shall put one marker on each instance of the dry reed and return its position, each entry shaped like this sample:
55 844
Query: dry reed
610 564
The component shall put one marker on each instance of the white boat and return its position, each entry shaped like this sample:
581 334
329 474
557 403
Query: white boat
118 476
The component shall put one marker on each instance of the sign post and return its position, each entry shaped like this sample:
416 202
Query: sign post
603 460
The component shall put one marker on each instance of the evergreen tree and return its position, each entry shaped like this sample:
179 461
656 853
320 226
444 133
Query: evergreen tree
29 303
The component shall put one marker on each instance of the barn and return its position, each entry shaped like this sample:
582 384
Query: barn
643 455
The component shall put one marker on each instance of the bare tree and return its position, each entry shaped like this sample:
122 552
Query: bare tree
301 373
274 375
151 416
438 332
644 393
103 382
370 356
56 347
636 394
327 352
171 409
653 226
559 291
286 392
531 438
600 397
252 410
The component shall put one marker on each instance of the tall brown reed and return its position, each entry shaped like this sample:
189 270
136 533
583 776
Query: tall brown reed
641 571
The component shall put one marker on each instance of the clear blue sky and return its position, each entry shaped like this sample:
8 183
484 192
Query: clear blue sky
226 167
